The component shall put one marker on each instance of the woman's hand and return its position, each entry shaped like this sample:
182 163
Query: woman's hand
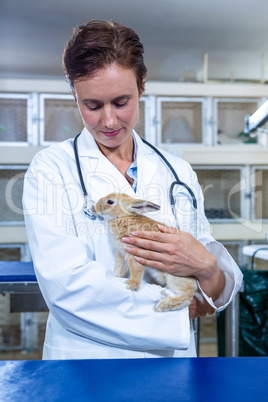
177 253
200 309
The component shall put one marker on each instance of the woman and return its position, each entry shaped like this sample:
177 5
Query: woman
92 313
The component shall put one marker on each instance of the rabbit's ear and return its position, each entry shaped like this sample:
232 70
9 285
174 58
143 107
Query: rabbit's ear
142 206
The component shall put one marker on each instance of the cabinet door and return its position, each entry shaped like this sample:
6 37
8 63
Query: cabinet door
11 187
59 118
229 118
223 196
180 120
16 119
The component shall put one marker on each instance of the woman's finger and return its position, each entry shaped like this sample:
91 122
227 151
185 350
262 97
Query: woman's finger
168 229
151 263
200 309
149 257
160 237
148 244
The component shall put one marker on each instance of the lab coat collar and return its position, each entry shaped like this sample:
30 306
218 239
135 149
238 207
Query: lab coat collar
87 146
100 165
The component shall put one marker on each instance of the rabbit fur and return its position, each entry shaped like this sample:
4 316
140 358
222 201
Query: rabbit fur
124 215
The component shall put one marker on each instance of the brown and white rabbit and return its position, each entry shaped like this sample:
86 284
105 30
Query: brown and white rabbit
124 215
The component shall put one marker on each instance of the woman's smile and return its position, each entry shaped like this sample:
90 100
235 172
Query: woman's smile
111 133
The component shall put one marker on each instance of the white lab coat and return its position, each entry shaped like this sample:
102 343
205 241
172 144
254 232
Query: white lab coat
92 313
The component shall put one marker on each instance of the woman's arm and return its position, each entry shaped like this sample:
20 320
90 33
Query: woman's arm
180 254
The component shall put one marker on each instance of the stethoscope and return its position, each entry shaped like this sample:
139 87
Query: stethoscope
88 207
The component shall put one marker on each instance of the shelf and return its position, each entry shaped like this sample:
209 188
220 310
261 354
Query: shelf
17 155
225 155
13 234
157 88
210 89
237 231
195 155
34 85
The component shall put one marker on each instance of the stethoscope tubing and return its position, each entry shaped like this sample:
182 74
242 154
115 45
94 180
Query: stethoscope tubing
177 181
79 166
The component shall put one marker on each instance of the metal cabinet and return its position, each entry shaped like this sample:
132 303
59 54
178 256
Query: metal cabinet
45 118
182 125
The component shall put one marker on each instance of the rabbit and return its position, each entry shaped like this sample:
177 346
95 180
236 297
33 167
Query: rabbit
124 215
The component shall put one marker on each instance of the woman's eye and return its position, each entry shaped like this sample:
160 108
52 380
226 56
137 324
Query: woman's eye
110 202
120 104
93 108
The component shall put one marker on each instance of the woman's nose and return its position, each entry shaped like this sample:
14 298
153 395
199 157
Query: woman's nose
109 118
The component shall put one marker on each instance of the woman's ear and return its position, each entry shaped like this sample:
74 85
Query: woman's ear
142 86
141 90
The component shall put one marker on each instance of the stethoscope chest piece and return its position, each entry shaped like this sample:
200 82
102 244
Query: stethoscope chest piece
89 209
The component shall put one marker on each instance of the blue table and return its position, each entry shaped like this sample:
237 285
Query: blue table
17 271
141 380
17 277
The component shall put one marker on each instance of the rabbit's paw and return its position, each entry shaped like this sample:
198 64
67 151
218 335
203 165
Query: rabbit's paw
133 284
163 305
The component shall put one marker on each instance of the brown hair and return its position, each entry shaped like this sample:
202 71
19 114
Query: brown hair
97 44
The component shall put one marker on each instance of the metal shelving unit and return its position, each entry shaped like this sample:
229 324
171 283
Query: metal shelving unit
182 118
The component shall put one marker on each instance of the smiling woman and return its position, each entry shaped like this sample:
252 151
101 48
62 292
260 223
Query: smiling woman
92 313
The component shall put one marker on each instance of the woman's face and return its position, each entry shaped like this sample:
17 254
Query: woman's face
109 104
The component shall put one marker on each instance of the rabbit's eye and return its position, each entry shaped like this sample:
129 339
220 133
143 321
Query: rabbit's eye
110 202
